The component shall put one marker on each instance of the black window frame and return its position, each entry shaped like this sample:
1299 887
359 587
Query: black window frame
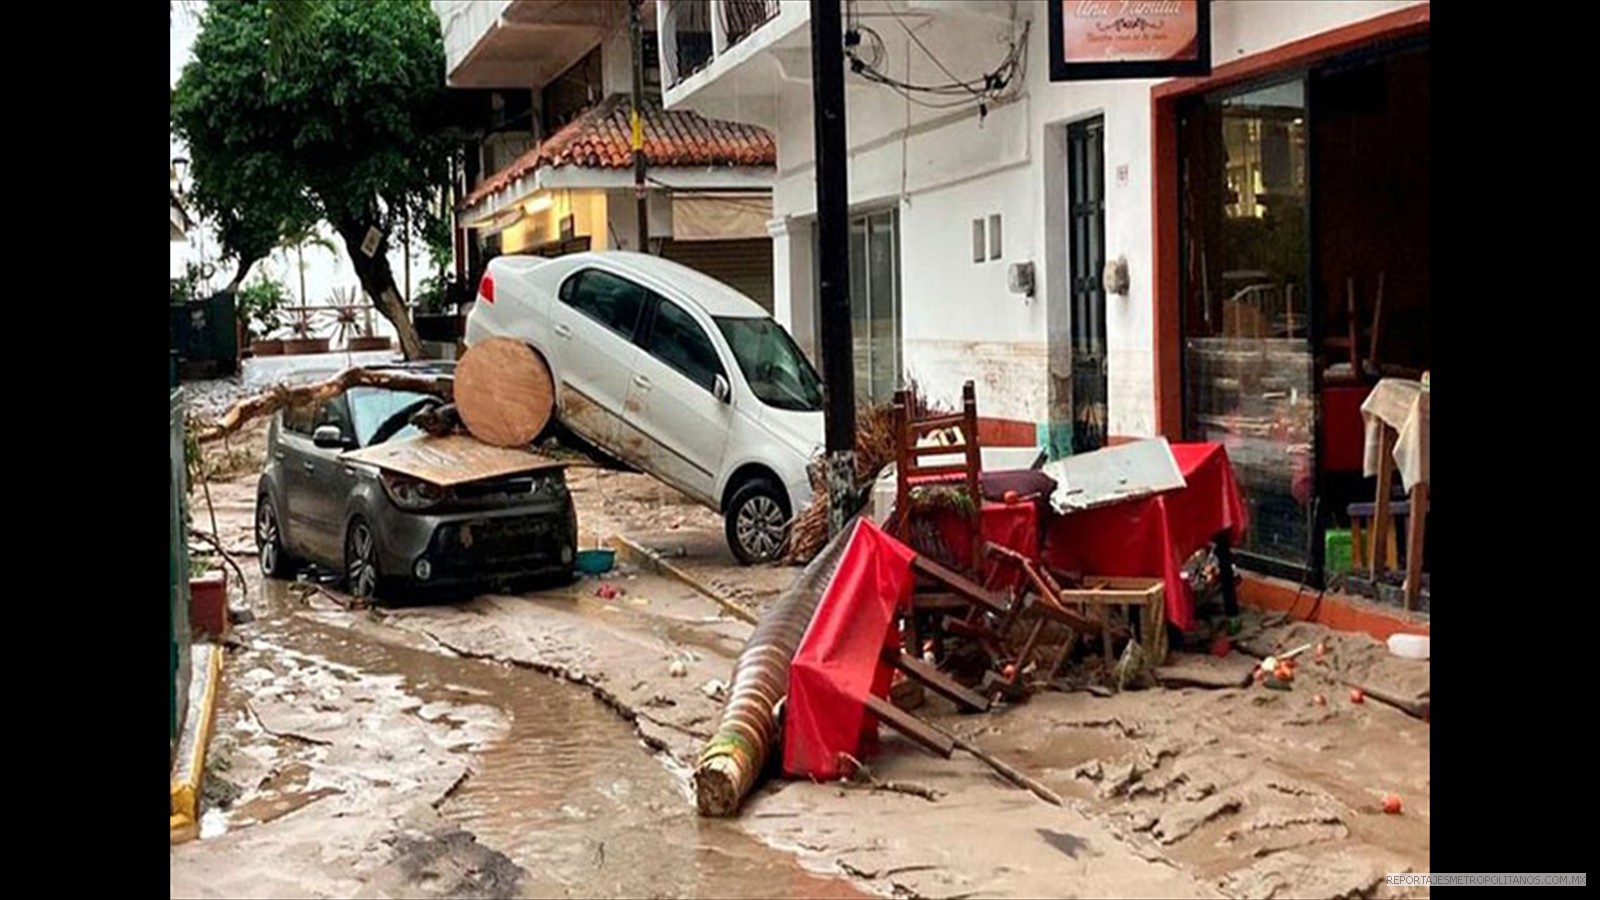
647 332
574 282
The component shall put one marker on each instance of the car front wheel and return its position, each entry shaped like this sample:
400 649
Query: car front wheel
275 560
361 560
757 522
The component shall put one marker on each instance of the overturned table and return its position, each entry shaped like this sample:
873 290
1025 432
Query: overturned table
1396 415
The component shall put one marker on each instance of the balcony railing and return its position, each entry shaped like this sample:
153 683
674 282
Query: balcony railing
741 17
685 35
694 32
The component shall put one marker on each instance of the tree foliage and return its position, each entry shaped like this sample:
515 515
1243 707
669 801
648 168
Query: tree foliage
346 127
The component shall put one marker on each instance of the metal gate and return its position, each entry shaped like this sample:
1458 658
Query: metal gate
1086 186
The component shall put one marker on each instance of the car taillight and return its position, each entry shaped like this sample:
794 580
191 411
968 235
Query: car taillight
486 288
409 493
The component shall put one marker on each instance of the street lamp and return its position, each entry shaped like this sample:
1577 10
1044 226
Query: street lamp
180 166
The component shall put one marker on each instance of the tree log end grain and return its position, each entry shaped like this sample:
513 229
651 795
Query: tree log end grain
503 392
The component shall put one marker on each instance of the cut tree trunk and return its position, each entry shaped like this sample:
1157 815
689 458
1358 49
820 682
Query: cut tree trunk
377 279
281 396
503 392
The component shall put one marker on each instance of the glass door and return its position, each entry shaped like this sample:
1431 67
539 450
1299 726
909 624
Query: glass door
874 303
1248 366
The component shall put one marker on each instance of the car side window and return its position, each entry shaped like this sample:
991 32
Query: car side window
613 302
335 412
678 340
298 419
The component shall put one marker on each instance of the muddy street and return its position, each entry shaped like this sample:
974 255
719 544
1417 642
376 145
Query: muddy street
354 753
539 744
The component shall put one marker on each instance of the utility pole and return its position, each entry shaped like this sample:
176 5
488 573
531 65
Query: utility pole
641 194
833 263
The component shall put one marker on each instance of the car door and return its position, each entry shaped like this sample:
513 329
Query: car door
672 404
327 485
291 453
593 325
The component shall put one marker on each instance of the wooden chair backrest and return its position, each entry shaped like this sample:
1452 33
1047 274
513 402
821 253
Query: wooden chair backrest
909 457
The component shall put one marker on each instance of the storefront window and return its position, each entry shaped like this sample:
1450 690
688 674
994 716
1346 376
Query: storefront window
874 303
1247 358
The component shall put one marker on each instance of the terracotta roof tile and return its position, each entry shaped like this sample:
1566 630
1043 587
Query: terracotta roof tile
600 139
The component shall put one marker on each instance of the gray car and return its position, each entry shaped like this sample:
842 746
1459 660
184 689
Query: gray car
383 530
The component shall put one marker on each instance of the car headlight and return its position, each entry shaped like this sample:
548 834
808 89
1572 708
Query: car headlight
410 493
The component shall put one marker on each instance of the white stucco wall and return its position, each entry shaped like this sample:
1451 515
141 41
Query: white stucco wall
944 169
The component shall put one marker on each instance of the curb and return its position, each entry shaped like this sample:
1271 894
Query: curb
188 773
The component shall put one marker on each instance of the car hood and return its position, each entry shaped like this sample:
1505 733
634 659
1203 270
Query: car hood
801 431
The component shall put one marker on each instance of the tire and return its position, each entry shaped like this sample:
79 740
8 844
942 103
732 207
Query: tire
361 573
757 522
270 553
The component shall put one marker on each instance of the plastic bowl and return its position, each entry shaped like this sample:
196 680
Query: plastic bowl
595 562
1409 646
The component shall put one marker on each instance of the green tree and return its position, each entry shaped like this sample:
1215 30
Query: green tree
345 128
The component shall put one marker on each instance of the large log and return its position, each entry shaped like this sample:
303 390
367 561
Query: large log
281 396
504 392
748 732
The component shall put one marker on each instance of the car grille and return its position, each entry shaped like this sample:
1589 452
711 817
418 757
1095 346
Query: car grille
505 543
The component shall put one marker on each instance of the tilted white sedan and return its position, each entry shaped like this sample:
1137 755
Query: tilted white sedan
672 372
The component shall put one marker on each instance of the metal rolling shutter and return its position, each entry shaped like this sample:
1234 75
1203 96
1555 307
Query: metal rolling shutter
745 265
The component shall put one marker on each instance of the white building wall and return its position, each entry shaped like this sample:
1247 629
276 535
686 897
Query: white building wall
945 169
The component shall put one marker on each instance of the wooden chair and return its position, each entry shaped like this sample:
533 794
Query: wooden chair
911 472
1360 522
1350 342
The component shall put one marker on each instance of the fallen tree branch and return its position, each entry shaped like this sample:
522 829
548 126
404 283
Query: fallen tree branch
861 776
304 589
280 396
1004 769
216 544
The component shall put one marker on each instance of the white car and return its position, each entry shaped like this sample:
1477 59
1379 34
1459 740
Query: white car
672 372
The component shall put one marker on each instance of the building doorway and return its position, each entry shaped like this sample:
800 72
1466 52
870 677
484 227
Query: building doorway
1303 257
1086 236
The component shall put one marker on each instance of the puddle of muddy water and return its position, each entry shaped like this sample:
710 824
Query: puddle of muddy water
560 784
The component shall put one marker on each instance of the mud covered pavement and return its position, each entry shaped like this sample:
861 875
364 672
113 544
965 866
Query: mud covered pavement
538 745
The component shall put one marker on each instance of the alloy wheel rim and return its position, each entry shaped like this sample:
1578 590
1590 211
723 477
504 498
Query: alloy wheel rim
760 527
361 569
266 539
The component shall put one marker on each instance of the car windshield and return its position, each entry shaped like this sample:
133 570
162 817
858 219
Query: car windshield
373 408
778 373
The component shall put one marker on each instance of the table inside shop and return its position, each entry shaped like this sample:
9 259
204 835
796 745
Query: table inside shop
1150 536
1397 415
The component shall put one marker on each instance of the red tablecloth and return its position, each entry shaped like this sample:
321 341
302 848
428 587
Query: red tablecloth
1013 525
839 661
1153 536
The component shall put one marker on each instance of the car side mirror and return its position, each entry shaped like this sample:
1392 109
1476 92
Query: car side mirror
329 437
721 390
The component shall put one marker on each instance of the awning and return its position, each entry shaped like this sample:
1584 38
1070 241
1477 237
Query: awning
702 217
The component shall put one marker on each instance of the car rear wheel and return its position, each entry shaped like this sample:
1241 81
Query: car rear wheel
361 560
757 522
274 559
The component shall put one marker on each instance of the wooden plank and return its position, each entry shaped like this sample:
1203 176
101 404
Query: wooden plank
911 726
448 461
936 681
942 601
961 584
914 472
